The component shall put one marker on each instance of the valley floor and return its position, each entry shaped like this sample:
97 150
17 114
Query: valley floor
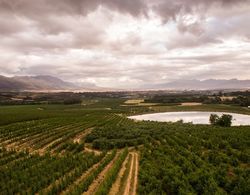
91 150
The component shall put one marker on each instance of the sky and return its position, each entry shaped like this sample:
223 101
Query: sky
125 43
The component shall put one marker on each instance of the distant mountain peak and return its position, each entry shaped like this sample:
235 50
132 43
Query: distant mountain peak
42 83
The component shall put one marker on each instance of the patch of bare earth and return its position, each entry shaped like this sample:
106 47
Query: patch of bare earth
191 104
88 148
230 98
96 183
16 147
81 135
134 101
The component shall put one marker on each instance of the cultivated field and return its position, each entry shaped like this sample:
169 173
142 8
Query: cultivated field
87 149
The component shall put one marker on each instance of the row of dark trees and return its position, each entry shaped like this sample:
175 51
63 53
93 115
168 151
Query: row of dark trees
33 173
241 99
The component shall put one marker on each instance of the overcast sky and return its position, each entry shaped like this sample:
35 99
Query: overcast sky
125 43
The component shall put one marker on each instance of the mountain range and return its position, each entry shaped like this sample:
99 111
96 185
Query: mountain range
35 83
205 84
49 83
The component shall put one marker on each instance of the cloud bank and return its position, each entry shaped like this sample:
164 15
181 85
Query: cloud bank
124 43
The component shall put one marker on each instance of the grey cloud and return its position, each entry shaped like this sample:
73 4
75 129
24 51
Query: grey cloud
214 31
189 40
221 71
169 9
201 10
135 7
45 7
60 16
52 17
71 7
195 28
10 25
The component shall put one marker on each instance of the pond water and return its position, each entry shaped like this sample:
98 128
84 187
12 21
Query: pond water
194 117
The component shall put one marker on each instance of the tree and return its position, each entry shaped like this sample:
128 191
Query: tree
213 119
225 120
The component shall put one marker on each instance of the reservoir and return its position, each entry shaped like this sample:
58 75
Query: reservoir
194 117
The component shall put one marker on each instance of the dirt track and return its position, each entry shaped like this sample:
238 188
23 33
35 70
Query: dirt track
135 174
131 183
116 185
